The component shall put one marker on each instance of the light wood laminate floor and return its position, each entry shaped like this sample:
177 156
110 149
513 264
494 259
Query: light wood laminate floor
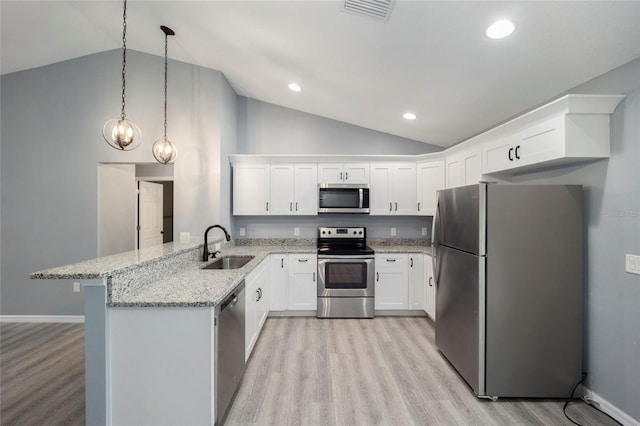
305 371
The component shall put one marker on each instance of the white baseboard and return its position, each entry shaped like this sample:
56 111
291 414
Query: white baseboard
605 406
42 318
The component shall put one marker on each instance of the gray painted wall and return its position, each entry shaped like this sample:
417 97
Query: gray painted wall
270 129
612 216
52 119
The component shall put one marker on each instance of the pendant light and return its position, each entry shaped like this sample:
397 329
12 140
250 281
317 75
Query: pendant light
120 133
163 149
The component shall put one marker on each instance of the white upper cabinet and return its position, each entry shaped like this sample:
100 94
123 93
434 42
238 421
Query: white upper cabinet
393 189
558 140
251 189
294 189
282 189
305 189
343 173
463 167
431 178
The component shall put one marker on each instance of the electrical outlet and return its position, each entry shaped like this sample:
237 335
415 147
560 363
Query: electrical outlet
632 264
76 287
424 232
393 232
296 231
243 232
185 237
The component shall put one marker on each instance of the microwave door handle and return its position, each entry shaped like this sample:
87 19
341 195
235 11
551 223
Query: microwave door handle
361 194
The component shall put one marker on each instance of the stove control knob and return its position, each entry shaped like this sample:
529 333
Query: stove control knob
324 232
360 232
329 232
354 232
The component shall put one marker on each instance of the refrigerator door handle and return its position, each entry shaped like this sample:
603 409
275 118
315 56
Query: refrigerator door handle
436 243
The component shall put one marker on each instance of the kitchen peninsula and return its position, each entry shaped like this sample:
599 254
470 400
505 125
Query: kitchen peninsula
150 324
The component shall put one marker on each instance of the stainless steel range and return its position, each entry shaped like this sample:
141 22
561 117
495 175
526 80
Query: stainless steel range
345 273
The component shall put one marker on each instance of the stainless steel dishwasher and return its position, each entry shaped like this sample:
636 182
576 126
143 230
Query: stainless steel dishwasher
230 363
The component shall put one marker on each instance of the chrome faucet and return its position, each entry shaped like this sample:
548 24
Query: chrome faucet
205 252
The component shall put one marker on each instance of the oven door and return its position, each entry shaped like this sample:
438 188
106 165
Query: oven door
345 276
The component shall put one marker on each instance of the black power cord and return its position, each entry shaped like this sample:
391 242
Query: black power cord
572 397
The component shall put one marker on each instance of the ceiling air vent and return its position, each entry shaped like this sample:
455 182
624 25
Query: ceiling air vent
377 9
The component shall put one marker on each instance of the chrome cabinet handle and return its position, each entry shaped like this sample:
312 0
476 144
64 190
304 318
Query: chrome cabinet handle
282 262
290 206
411 265
346 175
377 276
390 206
418 206
396 206
340 175
303 260
296 206
391 260
267 206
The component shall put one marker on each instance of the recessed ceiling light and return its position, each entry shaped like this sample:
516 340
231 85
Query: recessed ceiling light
409 116
295 87
500 29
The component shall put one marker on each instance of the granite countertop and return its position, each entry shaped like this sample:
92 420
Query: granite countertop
197 287
171 275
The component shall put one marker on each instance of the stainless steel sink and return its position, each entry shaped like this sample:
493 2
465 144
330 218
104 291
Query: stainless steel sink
229 262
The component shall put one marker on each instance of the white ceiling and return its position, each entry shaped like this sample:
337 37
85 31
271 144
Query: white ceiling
431 58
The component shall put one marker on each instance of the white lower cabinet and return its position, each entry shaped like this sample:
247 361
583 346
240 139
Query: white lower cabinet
392 282
430 294
416 281
302 286
256 304
278 279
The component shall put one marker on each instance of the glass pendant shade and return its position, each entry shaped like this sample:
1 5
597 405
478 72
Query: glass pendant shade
164 151
122 134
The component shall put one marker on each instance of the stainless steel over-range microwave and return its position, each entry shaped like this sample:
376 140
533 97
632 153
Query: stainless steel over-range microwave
343 198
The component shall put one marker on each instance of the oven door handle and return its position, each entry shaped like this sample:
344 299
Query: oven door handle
346 257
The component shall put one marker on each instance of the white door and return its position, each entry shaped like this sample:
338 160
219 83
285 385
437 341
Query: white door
150 214
116 208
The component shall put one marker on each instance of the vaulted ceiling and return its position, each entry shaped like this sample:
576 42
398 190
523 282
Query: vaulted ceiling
431 58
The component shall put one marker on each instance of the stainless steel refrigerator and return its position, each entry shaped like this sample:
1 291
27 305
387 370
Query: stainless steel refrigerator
508 266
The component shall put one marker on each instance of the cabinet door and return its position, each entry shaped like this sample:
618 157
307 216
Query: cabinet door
430 296
282 189
454 171
417 281
263 295
430 180
471 166
498 155
302 289
392 284
381 194
278 278
251 295
251 189
306 189
404 189
330 173
542 142
356 173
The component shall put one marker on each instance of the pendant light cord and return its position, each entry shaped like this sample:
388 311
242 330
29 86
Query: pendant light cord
124 53
166 36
